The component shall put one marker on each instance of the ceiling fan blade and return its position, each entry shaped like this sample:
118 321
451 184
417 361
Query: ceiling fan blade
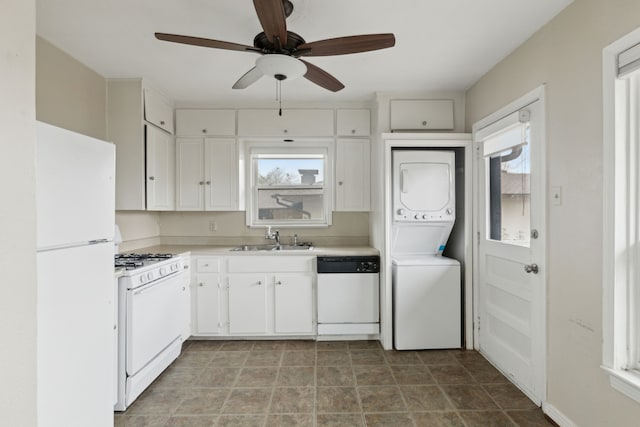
273 20
349 44
197 41
322 78
249 78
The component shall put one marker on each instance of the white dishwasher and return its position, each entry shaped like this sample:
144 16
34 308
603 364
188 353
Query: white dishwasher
348 295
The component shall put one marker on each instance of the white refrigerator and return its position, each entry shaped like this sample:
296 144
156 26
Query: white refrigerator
75 182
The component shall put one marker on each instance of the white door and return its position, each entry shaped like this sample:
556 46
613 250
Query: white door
247 304
511 255
207 303
293 304
352 175
190 174
161 166
221 173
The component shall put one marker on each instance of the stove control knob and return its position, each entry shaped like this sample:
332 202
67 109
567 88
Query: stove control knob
150 276
425 216
143 279
400 211
163 272
417 216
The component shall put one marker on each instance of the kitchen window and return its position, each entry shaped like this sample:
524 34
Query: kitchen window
621 215
289 186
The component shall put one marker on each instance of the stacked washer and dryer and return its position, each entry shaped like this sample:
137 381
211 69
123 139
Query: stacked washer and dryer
426 285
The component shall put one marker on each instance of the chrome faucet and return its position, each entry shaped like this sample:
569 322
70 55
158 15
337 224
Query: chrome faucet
273 236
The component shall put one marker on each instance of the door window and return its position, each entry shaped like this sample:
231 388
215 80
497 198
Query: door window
508 165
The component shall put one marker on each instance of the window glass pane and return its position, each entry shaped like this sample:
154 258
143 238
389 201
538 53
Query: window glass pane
279 171
290 188
509 194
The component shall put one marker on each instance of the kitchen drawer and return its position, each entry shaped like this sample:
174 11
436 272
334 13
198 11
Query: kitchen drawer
205 122
270 264
207 264
158 110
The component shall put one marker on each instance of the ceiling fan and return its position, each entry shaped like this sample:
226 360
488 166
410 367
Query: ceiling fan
281 49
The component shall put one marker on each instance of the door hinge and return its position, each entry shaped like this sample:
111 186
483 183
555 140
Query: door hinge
478 323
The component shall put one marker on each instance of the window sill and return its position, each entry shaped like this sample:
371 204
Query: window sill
626 382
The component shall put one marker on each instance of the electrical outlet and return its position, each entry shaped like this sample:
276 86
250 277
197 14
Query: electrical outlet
212 225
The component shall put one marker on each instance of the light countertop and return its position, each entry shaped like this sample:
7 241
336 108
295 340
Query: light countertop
199 250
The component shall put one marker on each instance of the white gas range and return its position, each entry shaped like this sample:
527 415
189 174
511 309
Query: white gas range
151 316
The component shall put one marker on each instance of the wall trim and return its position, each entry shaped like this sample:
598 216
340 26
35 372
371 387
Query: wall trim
557 416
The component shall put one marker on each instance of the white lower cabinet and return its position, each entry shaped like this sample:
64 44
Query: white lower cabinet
253 296
247 304
293 306
209 296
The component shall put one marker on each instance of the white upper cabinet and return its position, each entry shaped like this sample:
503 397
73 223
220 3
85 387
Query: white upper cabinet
161 166
126 112
205 122
158 110
292 123
352 181
353 122
421 114
207 174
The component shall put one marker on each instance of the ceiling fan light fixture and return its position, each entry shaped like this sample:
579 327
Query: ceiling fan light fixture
281 67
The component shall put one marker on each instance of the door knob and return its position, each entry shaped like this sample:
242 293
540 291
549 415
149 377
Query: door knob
531 268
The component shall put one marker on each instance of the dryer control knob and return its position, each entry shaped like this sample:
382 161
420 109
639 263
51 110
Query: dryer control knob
425 216
449 211
417 216
400 211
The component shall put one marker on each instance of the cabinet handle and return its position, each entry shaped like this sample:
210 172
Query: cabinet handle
208 182
424 123
286 131
201 284
339 182
162 122
353 131
204 131
279 283
201 183
152 178
259 282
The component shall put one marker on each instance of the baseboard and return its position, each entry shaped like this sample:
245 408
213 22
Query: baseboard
556 416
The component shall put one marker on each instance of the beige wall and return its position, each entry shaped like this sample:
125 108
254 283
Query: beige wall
69 94
349 228
566 55
17 211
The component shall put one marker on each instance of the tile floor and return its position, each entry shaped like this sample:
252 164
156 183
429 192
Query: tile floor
308 383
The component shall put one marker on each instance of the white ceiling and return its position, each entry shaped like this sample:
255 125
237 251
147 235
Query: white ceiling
440 45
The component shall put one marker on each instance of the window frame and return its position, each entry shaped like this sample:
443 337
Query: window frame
253 149
621 224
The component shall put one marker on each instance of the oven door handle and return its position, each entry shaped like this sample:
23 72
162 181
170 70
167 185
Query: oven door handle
150 286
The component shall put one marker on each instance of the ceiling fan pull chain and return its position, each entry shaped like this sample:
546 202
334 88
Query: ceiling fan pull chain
280 97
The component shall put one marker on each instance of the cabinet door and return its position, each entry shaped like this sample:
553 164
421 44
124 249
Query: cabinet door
161 164
353 122
417 114
202 123
190 175
293 304
158 110
353 188
221 173
185 279
247 304
294 123
207 304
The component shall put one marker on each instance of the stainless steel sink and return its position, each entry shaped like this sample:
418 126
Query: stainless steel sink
255 248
